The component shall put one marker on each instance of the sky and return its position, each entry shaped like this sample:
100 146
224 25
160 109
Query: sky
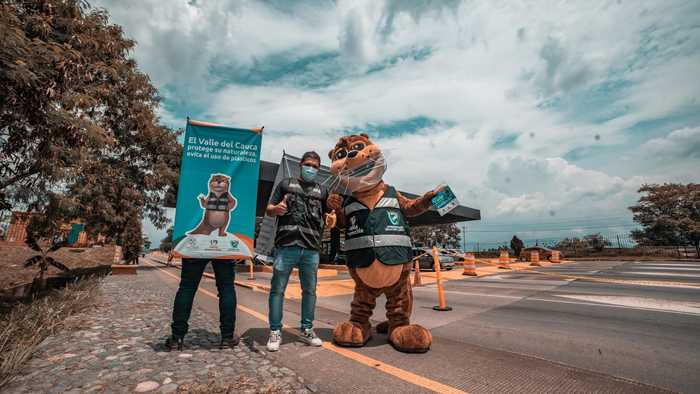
545 115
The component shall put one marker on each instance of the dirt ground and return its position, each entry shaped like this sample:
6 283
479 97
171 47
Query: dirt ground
13 256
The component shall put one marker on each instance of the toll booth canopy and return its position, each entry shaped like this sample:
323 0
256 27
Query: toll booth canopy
272 173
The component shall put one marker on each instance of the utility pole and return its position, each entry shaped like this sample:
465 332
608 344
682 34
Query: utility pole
464 237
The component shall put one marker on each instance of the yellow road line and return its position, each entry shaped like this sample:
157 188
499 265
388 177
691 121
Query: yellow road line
402 374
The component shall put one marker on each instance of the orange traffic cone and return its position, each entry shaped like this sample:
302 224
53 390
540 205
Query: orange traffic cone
503 261
535 259
556 257
416 277
469 265
441 291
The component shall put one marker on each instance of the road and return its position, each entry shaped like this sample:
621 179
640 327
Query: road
626 327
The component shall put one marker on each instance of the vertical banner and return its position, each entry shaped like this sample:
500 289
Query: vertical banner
217 195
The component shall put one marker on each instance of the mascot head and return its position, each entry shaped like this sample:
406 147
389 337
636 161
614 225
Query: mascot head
358 162
218 184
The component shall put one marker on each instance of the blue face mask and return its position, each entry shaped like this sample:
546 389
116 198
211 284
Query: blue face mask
308 173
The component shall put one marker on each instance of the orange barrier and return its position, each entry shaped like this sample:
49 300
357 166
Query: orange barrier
441 291
556 257
535 259
251 272
503 260
469 264
416 277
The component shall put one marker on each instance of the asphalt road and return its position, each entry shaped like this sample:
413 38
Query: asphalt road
633 329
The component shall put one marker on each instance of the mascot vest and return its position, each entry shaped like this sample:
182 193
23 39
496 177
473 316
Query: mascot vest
215 203
380 234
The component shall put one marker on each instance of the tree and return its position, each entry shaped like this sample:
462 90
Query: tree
443 235
78 120
166 244
50 242
132 241
596 242
669 215
517 245
146 243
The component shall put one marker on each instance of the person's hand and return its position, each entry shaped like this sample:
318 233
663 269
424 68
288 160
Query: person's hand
281 208
435 191
331 219
335 202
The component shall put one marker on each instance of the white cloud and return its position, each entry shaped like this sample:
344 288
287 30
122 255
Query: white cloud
679 144
487 69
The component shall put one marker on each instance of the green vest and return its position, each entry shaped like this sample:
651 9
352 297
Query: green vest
381 233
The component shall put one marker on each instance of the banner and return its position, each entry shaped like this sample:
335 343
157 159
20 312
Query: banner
217 195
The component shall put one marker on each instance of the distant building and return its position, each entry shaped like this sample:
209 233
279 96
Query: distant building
73 231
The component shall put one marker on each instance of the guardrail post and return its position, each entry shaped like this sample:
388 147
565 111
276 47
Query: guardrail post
251 273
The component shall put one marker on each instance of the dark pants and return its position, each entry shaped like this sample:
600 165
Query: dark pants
192 270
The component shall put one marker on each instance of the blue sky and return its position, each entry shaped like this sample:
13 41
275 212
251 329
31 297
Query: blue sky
544 115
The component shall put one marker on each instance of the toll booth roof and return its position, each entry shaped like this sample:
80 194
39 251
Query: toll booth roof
290 167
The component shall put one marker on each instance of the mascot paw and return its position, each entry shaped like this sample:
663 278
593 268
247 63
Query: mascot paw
383 327
411 339
348 334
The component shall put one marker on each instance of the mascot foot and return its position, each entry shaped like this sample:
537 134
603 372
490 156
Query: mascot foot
350 335
411 339
383 327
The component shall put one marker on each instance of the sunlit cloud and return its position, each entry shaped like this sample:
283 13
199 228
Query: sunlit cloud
529 111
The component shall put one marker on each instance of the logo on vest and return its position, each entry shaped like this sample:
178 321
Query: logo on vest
354 228
234 244
393 218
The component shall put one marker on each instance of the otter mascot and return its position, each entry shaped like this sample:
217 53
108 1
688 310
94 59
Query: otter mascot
377 245
217 206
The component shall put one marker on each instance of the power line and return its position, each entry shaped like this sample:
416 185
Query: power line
578 220
553 229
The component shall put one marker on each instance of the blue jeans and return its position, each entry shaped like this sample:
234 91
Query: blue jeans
286 259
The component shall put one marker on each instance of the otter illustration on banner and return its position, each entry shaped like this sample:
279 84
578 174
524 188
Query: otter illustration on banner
217 206
217 194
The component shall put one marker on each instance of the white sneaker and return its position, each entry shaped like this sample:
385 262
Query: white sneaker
273 343
309 336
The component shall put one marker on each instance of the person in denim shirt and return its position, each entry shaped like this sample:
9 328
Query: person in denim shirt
300 206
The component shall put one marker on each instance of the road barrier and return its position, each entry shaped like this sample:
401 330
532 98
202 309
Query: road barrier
441 291
503 260
417 282
535 259
469 265
556 257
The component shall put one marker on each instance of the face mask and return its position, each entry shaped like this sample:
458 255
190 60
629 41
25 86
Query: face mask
308 173
364 177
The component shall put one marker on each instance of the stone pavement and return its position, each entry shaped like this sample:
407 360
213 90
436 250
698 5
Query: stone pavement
117 347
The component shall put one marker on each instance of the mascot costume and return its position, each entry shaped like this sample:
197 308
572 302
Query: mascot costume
378 246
